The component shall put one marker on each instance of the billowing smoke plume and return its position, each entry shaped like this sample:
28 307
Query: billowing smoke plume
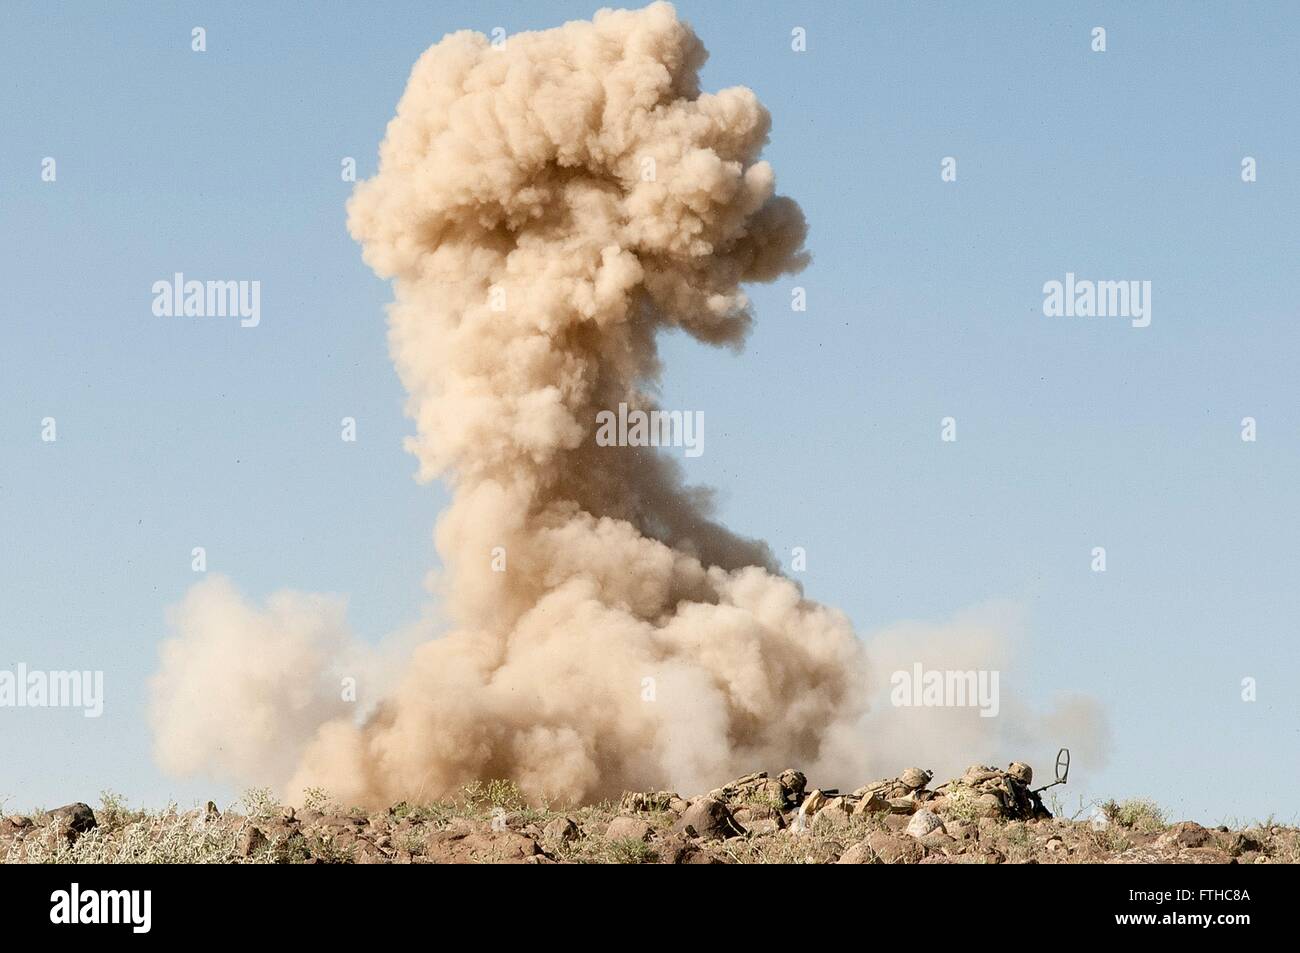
546 208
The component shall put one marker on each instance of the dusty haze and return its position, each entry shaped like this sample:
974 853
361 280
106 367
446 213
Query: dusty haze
545 210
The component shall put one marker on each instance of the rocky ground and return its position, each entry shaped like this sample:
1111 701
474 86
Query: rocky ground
987 816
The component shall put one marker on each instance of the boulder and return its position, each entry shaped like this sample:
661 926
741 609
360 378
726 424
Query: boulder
1185 834
893 848
73 820
924 822
627 828
708 818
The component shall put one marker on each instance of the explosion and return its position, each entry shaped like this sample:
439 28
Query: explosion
546 209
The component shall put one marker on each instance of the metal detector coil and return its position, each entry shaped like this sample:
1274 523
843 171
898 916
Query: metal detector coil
1062 770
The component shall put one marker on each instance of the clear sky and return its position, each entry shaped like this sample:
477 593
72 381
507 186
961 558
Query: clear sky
924 301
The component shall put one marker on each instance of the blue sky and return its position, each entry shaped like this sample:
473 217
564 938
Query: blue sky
924 301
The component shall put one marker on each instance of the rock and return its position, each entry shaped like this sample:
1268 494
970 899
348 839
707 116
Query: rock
1238 843
893 848
10 826
367 853
765 826
938 841
1184 834
675 849
872 803
813 803
960 831
561 830
627 828
73 820
923 822
710 819
860 853
276 831
251 840
455 846
76 816
748 816
835 814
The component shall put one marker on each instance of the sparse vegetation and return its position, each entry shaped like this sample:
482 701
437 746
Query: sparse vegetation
628 850
492 821
962 805
260 802
1139 814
